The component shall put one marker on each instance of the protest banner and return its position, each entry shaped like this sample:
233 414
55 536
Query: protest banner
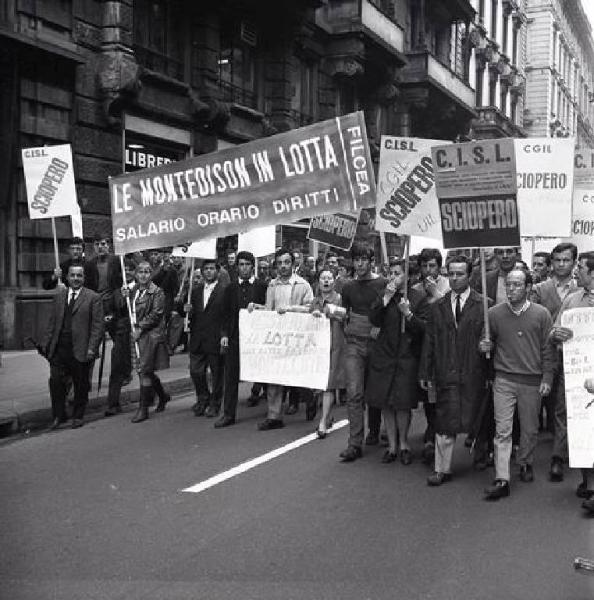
544 171
406 199
325 167
337 230
476 188
578 365
291 349
582 221
49 180
201 249
260 241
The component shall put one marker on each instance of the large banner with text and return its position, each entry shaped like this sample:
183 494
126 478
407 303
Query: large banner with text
578 366
476 186
323 168
406 199
291 349
582 218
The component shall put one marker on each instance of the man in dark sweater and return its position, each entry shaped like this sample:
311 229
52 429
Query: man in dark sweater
524 363
358 296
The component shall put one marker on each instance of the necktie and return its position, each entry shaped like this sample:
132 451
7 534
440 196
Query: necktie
72 300
458 309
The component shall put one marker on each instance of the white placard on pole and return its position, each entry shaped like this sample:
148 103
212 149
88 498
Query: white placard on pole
260 241
201 249
544 170
77 223
49 179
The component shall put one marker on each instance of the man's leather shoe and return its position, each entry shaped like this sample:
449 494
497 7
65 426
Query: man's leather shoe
589 505
351 453
438 478
372 439
224 421
198 410
526 473
499 489
582 491
211 412
429 453
253 401
76 423
268 424
556 472
389 457
406 456
55 424
112 410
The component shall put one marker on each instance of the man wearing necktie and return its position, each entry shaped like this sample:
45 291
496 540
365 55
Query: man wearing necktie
453 366
71 343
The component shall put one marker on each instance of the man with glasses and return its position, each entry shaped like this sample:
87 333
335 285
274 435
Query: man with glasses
524 362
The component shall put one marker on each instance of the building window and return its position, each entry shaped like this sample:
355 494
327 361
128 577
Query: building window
480 73
493 28
303 102
514 110
505 34
158 37
493 87
347 99
481 11
237 67
515 35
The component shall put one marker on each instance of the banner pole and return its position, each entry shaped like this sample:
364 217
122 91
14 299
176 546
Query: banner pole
485 297
187 317
56 251
384 247
406 266
130 315
532 248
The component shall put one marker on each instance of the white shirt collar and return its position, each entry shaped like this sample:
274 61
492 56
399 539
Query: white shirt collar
251 279
524 308
463 296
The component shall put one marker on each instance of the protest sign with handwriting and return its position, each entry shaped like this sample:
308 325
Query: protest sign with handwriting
582 219
323 168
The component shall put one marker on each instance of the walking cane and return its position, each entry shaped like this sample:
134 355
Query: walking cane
101 365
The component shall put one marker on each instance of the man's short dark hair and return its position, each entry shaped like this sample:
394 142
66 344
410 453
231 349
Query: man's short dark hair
77 241
461 259
76 263
528 276
281 251
101 238
362 250
245 255
331 254
589 258
564 246
398 262
428 254
211 261
545 255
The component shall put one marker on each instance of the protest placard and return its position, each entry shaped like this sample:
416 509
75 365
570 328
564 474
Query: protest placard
578 365
260 241
406 199
476 188
334 230
544 169
292 349
582 221
201 249
325 167
49 180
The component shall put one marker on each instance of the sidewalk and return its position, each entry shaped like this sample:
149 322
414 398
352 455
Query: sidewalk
24 393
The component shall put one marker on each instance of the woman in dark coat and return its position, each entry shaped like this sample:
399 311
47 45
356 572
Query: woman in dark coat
394 360
148 302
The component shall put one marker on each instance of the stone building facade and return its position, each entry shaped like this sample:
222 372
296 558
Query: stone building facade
130 83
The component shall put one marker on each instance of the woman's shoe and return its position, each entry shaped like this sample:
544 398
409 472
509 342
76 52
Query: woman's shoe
321 434
163 400
329 422
389 457
405 456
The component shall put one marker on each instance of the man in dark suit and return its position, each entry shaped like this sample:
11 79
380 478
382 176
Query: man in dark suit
71 342
241 292
76 250
206 310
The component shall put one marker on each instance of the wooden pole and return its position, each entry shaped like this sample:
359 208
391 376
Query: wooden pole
485 297
130 315
187 317
384 247
56 250
406 267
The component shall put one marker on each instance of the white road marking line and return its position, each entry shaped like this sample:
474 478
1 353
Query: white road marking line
254 462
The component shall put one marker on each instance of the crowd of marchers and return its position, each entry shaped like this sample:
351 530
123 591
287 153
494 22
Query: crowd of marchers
402 334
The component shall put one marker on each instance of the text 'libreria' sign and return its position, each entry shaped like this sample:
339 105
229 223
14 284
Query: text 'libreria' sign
323 168
476 187
582 219
291 349
335 230
406 198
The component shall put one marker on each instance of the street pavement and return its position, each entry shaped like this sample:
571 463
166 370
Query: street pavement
99 513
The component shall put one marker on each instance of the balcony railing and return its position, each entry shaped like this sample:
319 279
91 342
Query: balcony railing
237 95
423 67
161 63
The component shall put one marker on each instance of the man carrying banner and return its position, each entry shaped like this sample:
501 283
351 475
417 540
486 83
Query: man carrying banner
71 343
240 293
583 297
453 365
524 363
285 291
